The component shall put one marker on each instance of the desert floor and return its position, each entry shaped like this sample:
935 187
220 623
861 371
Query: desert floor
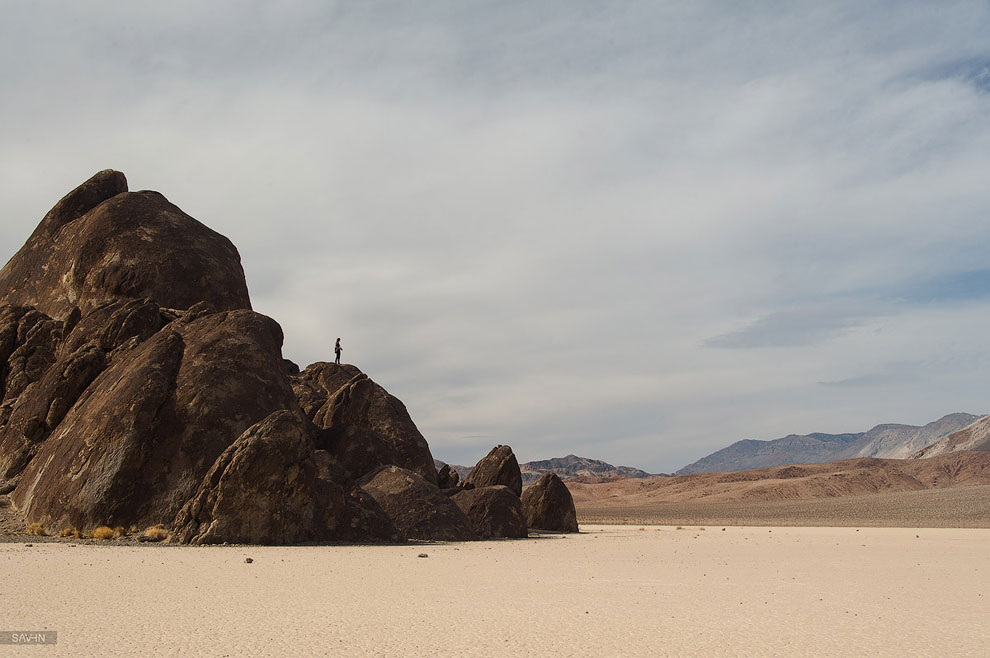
609 591
961 507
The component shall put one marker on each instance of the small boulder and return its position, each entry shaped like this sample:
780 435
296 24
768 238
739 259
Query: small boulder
447 477
548 505
416 506
498 467
493 511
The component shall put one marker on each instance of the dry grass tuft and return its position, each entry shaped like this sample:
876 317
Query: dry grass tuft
67 532
36 529
155 533
103 532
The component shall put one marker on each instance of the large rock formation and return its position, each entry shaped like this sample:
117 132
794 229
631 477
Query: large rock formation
493 511
267 488
102 243
416 506
548 505
135 446
137 387
498 467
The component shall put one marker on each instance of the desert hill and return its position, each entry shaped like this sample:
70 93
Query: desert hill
851 477
887 441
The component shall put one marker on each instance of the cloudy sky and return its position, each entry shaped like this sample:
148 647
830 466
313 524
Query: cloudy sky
632 231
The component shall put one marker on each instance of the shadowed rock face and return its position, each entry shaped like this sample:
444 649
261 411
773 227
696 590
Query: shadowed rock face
548 505
101 243
140 439
266 488
498 467
318 382
364 404
493 511
417 507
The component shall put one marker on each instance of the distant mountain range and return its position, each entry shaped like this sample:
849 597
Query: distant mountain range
566 467
884 441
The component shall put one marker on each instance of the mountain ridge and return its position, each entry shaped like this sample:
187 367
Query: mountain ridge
886 440
565 467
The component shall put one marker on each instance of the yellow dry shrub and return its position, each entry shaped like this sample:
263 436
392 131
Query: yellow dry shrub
66 532
103 532
36 529
155 533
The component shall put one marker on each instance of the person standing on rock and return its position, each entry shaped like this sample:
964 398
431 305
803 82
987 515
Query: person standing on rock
337 349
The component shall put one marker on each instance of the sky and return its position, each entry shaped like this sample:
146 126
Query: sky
632 231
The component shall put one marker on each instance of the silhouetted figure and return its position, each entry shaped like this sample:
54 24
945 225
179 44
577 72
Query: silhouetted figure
337 349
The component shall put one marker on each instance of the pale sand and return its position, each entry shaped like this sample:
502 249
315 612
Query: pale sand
610 591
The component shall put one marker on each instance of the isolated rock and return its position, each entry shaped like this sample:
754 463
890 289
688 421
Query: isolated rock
498 467
493 511
141 438
416 507
266 488
101 243
447 477
548 505
364 404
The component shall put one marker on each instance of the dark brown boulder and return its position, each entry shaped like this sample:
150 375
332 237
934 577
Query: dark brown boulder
416 507
356 450
493 511
318 382
266 488
139 441
366 405
498 467
447 477
101 243
548 505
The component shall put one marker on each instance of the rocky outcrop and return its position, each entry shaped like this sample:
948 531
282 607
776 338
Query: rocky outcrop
493 511
138 388
101 244
416 506
267 488
548 505
498 467
139 441
363 404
